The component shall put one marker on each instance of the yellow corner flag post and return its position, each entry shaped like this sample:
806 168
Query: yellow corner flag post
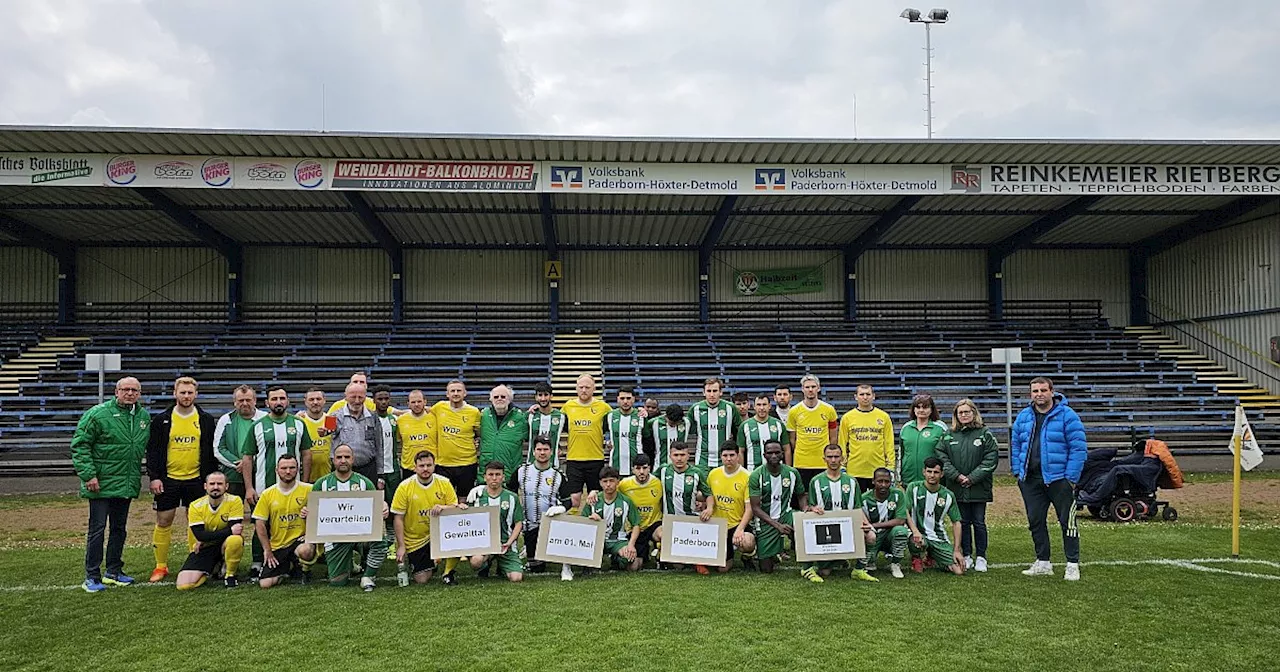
1247 454
1235 496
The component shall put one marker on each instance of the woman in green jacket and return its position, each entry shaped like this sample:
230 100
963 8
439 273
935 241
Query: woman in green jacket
969 458
920 438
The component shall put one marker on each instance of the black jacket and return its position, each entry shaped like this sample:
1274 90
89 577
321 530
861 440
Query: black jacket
158 443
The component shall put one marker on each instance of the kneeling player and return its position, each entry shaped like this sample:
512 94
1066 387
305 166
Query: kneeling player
510 522
281 525
622 521
833 490
416 502
214 534
340 557
930 506
729 484
885 509
645 492
774 489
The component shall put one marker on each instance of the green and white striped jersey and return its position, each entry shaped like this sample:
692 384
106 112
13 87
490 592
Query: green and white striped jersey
269 440
665 434
619 516
932 511
389 461
510 510
680 489
776 491
622 433
840 494
550 425
876 511
753 434
355 481
713 426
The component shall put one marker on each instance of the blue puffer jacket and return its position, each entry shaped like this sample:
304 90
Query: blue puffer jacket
1062 443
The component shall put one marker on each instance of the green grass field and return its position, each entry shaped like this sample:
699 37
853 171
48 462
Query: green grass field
1150 600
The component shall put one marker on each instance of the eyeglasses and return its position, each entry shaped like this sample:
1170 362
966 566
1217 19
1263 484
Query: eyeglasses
128 389
964 412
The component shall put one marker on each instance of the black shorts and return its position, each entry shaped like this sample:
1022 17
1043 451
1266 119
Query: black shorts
203 560
236 489
645 539
806 476
178 493
728 542
286 560
463 478
578 473
864 484
420 561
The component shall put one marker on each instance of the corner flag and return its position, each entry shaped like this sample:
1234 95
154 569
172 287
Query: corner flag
1250 454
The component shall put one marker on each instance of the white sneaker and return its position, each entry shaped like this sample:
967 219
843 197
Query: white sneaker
871 566
1073 571
367 584
968 563
1039 568
896 570
980 564
566 573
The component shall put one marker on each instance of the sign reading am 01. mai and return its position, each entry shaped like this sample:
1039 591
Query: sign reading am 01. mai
778 281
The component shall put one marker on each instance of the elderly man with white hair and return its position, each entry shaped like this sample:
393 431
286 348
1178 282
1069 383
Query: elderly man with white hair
503 428
360 428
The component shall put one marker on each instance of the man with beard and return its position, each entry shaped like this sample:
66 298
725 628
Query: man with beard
503 428
417 501
417 433
275 435
538 486
280 524
215 523
623 427
714 421
759 430
321 438
545 421
647 444
179 456
340 557
388 460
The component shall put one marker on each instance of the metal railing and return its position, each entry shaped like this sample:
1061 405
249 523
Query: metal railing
1158 320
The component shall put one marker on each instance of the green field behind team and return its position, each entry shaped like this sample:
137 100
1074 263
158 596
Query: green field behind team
1150 600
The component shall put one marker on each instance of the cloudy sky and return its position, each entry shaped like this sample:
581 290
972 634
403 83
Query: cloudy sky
793 68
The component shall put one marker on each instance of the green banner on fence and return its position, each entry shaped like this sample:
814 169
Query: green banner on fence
778 281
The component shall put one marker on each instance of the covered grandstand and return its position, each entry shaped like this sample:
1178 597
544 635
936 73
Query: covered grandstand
1139 275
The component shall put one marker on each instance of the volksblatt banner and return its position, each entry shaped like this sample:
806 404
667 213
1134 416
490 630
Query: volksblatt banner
220 172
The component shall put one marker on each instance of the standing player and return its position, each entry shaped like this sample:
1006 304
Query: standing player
667 429
742 402
179 456
651 410
503 429
538 484
931 506
321 437
545 421
215 523
758 430
231 435
623 427
510 522
714 421
280 525
457 436
775 489
388 459
885 509
645 492
866 435
812 424
622 522
782 407
729 485
833 490
417 433
340 557
585 458
273 436
417 501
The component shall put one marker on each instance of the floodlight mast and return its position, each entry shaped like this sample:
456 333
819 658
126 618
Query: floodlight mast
935 15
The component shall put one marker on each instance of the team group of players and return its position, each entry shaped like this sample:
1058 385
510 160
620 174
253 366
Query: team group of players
752 461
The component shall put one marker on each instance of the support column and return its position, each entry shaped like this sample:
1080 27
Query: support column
1139 313
850 286
66 286
995 284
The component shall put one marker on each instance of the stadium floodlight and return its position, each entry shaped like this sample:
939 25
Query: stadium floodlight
935 15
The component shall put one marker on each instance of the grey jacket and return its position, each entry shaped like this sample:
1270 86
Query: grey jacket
363 434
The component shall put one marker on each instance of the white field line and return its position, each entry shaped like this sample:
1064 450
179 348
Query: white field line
1195 564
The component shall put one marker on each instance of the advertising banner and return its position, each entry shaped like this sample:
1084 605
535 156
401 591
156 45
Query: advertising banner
54 170
281 173
126 170
374 175
778 281
718 178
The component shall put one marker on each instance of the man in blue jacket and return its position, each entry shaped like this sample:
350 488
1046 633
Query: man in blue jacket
1047 455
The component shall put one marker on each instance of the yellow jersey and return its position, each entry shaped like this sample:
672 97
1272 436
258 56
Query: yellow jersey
282 512
456 431
647 498
416 434
586 428
730 493
810 429
320 465
183 463
414 501
866 437
229 512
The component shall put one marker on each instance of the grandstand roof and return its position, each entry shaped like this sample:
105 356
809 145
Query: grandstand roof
115 216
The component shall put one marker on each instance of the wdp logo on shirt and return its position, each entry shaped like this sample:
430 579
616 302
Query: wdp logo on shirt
774 179
566 177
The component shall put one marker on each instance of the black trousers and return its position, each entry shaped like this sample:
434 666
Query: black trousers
1037 496
110 512
973 528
